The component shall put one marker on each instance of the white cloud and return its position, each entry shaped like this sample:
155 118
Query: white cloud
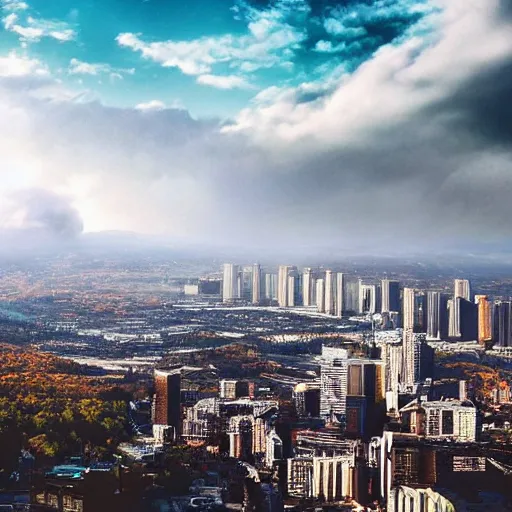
151 106
78 67
10 20
272 35
224 82
14 65
327 47
336 27
387 88
14 5
393 146
34 29
63 35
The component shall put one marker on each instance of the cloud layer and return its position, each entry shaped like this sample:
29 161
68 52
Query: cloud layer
411 150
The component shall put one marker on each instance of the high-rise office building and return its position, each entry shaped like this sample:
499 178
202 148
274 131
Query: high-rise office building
367 298
167 401
468 316
289 284
502 324
307 287
484 319
390 295
282 285
340 294
408 357
408 309
330 292
230 282
350 294
420 312
270 287
454 319
256 284
437 316
462 289
246 282
320 295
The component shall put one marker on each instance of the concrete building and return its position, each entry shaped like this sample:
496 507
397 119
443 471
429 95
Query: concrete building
167 401
484 319
306 398
274 448
320 295
462 289
256 284
367 298
283 285
408 309
227 389
324 478
437 316
502 324
454 319
270 287
230 283
340 294
390 295
330 292
350 294
452 419
409 499
308 282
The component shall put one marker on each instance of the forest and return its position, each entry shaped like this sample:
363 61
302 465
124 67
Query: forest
50 407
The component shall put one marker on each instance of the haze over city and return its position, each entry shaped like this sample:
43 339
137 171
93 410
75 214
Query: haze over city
364 126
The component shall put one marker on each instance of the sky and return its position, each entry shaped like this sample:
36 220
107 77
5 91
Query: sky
375 125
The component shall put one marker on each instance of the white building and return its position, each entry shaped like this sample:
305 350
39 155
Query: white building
329 478
407 499
462 289
256 284
320 295
307 287
452 419
330 289
230 283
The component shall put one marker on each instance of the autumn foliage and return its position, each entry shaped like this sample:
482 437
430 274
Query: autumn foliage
50 407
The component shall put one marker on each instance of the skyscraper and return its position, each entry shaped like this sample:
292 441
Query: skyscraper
437 316
270 287
408 355
408 309
246 282
454 318
330 290
256 284
390 296
289 286
462 289
350 302
468 314
320 295
502 324
484 319
307 287
167 406
367 298
340 294
230 288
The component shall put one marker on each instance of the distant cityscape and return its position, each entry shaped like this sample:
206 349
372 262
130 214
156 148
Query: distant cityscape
261 388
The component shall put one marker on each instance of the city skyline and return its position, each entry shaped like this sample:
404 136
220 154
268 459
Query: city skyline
294 122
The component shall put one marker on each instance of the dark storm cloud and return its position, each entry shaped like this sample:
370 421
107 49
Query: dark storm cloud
46 212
